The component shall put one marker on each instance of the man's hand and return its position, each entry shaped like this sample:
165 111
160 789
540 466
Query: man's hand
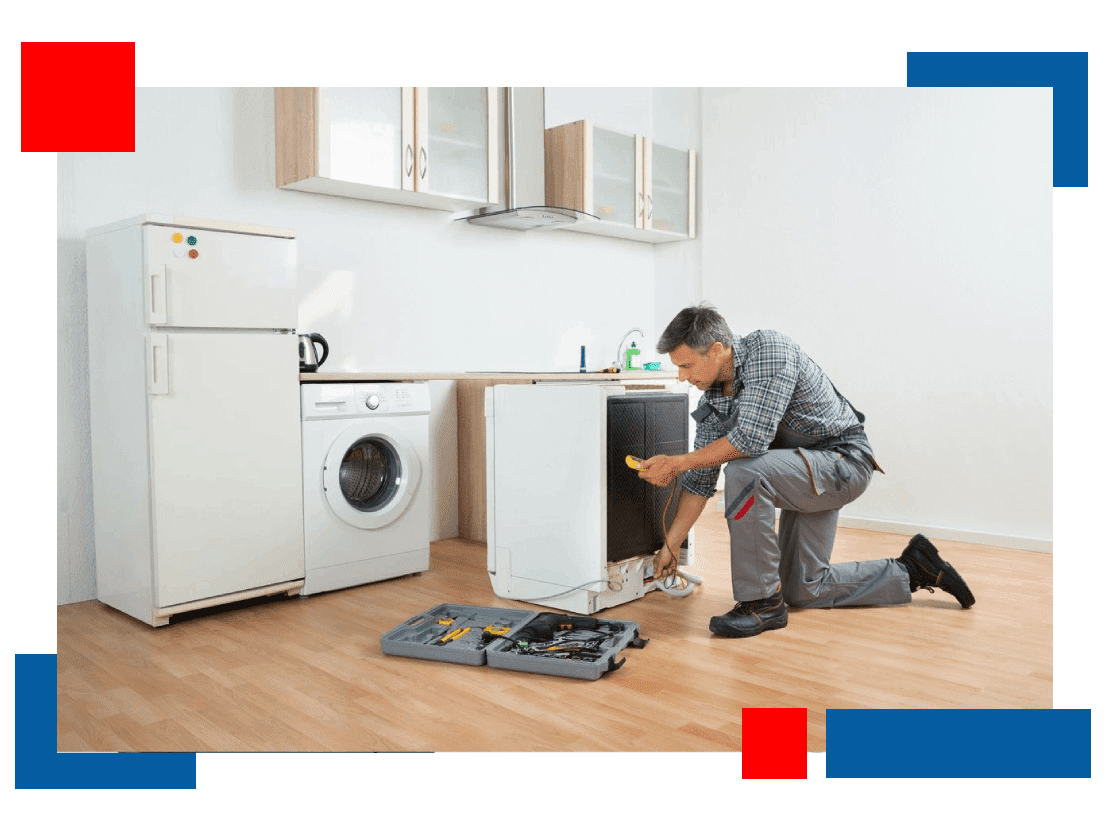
664 563
660 470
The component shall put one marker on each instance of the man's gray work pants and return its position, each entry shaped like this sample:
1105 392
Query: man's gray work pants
809 487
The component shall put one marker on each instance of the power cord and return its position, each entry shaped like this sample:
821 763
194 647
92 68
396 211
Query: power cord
587 585
670 580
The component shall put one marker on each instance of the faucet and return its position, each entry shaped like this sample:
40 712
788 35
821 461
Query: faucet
621 365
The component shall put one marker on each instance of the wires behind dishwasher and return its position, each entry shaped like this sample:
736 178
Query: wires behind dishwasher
677 583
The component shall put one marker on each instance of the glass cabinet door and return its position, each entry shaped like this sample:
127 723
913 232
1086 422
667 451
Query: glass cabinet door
365 135
667 206
616 177
453 138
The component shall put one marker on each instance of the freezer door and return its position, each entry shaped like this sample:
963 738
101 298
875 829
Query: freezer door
226 448
201 278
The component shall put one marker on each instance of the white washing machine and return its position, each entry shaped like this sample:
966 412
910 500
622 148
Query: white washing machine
366 482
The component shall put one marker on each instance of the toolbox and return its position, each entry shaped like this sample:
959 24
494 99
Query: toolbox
555 644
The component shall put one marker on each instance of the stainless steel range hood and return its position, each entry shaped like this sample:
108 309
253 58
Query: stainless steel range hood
524 143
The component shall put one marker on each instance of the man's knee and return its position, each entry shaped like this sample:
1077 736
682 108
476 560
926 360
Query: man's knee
799 594
815 593
741 474
740 488
744 466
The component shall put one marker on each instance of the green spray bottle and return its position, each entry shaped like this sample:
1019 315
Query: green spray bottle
631 354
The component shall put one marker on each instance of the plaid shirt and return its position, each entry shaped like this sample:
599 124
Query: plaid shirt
775 384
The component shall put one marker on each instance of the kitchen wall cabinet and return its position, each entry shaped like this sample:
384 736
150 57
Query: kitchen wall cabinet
638 188
433 147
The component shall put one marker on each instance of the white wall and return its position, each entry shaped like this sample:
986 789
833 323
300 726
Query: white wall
678 268
904 238
671 116
390 287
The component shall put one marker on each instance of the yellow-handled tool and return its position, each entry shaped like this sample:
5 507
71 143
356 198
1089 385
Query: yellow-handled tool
634 463
454 635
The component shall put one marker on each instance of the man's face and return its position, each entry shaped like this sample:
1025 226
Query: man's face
703 371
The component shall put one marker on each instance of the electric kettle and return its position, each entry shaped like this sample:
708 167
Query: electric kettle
309 360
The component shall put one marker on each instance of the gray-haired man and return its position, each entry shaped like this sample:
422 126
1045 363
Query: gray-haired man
791 442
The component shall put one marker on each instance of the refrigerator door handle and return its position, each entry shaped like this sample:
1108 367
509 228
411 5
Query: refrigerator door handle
157 364
157 296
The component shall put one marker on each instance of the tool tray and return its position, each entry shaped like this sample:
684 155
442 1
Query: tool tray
555 644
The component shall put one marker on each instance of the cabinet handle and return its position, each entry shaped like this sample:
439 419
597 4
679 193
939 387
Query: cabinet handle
649 207
157 364
408 160
157 297
423 162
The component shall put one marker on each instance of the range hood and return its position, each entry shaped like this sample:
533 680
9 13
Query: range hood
524 143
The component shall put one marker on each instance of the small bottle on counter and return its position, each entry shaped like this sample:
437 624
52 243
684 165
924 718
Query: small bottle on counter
583 359
631 355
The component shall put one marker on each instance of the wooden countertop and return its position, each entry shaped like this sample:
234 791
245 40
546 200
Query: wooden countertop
384 375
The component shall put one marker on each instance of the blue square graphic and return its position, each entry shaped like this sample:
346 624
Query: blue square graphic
38 765
987 743
1065 72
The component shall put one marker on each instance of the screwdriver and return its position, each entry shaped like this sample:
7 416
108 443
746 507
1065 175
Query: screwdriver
454 635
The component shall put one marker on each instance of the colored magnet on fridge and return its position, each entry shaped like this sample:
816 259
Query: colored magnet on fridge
176 237
193 254
191 240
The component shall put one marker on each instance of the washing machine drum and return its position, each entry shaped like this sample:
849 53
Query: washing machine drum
370 476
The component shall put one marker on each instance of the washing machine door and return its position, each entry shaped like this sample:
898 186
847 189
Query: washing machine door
371 474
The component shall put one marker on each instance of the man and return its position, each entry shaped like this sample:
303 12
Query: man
790 441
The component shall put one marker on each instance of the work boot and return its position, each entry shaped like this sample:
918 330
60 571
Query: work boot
748 618
927 570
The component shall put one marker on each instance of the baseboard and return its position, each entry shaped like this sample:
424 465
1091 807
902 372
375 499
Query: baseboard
1005 541
1029 544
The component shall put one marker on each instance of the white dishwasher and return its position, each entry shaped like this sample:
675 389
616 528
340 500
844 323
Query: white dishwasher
568 525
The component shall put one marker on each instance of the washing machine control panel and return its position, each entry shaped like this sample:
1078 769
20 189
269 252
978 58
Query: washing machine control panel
394 398
340 401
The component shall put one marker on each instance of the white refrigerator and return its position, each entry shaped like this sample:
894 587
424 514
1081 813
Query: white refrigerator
194 414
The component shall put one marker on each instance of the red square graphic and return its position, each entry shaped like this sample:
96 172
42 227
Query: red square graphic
774 743
78 97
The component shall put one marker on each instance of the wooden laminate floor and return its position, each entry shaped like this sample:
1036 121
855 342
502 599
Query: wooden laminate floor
307 674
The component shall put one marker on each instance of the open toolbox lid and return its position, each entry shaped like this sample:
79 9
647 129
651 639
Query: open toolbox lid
555 644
